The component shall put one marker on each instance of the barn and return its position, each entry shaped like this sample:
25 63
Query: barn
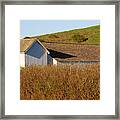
32 52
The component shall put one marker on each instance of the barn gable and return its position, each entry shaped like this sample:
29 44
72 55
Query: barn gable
26 44
34 53
36 50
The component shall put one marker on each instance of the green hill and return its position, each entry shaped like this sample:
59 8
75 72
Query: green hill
89 35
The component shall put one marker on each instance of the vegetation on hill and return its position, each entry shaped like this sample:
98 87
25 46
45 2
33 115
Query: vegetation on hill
89 35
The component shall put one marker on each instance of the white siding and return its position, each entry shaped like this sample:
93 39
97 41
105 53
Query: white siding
22 60
54 62
30 60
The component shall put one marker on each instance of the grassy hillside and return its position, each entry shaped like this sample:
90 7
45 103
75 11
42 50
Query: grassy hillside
89 35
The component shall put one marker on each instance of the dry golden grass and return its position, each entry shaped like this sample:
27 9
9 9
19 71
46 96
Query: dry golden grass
65 82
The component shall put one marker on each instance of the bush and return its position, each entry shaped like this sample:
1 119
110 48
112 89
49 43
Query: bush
79 38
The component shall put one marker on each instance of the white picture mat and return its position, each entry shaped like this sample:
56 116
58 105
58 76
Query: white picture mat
106 15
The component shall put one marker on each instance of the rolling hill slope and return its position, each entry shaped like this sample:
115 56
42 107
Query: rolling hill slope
89 35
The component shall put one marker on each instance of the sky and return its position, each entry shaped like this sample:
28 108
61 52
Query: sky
39 27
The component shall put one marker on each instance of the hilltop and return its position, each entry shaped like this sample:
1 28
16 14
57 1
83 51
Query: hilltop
89 35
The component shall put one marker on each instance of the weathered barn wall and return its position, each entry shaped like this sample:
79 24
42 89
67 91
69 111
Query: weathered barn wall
36 55
22 60
30 60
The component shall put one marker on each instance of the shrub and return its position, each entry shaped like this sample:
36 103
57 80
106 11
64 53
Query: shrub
79 38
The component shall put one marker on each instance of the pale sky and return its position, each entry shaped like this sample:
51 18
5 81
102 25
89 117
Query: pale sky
40 27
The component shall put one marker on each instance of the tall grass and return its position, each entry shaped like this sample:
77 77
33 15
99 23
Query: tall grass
63 82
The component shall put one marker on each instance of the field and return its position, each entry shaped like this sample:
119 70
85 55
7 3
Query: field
62 82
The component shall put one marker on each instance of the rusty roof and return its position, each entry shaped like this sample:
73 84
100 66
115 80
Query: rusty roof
73 52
